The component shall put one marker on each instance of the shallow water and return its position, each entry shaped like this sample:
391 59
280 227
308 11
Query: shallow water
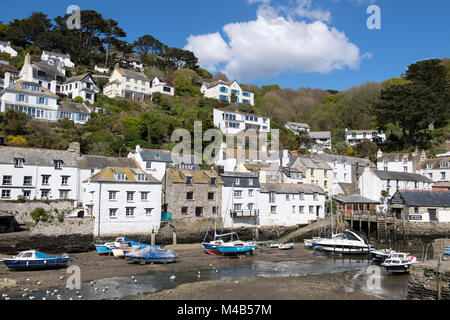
354 272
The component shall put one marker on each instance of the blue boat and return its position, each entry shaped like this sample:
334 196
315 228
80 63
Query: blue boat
237 248
106 248
151 255
35 260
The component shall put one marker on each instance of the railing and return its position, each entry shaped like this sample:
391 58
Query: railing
166 216
244 213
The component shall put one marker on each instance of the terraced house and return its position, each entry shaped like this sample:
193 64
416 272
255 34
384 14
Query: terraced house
228 91
125 83
123 201
437 169
192 194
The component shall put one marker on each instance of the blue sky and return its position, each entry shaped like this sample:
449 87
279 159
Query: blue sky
410 31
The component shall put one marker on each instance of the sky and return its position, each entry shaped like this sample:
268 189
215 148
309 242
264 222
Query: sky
293 43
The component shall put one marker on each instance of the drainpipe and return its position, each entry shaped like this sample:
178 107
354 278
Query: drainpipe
99 205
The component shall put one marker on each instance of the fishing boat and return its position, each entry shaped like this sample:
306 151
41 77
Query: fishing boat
151 255
237 248
382 254
399 262
286 246
35 260
348 242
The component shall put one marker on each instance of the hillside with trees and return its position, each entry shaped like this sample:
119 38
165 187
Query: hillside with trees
413 109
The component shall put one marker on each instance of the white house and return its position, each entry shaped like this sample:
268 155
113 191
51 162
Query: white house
5 47
80 86
233 122
31 99
156 161
123 201
49 74
296 127
127 84
130 61
437 169
373 182
322 141
63 58
157 85
40 174
353 137
228 91
77 112
240 195
290 204
101 69
400 162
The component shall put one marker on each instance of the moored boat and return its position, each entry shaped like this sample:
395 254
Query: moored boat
36 260
237 248
107 247
152 255
399 262
382 254
286 246
348 242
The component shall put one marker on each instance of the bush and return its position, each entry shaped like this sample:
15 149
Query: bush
60 217
39 214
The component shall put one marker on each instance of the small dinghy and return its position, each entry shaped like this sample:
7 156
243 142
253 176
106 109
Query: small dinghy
399 262
120 243
286 246
151 255
35 260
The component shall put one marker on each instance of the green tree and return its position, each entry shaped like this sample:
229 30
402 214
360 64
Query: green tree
148 44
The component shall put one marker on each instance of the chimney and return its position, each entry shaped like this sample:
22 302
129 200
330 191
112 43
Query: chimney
53 86
379 154
138 148
7 79
74 147
27 59
60 67
423 156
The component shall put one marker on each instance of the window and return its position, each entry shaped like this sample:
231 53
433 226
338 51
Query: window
189 180
273 209
21 98
214 210
129 212
287 197
130 195
250 192
121 176
144 196
238 193
444 164
41 100
237 181
64 194
113 213
7 180
272 197
112 195
250 182
148 211
325 184
6 194
325 173
27 194
312 172
141 177
237 206
184 210
442 175
405 169
210 195
345 176
316 196
250 206
311 209
416 210
190 196
64 180
301 209
45 193
293 209
18 162
302 195
45 180
213 181
58 164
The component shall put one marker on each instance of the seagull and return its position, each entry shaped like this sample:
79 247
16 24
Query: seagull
55 291
28 280
44 298
39 283
4 295
135 281
48 292
32 298
172 277
58 297
133 277
24 295
6 280
80 297
217 270
62 277
210 265
77 293
103 290
7 298
92 283
95 289
26 289
70 298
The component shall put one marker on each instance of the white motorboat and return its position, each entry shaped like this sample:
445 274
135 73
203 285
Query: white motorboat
382 254
399 262
286 246
310 243
348 242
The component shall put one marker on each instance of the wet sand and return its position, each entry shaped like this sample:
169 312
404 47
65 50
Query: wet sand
192 257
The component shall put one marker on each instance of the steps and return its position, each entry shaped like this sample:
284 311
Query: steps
382 229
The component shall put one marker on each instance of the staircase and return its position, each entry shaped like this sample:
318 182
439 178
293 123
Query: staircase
382 229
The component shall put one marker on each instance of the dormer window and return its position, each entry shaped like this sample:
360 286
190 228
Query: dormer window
237 181
189 180
18 162
141 177
250 182
121 176
444 164
428 165
213 181
58 164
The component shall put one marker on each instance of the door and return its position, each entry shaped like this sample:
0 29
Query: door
432 213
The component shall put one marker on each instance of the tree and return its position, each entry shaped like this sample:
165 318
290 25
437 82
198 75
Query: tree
3 31
183 87
112 33
25 31
148 44
177 58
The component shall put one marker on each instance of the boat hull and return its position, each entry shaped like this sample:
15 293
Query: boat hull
39 264
398 269
103 250
235 250
343 249
149 261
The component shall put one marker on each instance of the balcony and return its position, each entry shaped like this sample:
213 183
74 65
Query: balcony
244 213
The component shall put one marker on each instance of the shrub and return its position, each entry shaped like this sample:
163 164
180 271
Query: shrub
39 214
60 217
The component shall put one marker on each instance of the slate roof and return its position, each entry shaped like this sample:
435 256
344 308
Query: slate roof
230 177
391 157
8 68
34 156
297 124
404 176
363 131
51 72
309 163
161 155
73 107
200 176
18 87
426 198
99 162
109 175
290 188
51 53
133 74
354 199
341 159
78 78
320 134
218 82
435 163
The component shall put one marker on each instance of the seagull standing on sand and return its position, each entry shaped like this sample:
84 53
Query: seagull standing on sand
172 277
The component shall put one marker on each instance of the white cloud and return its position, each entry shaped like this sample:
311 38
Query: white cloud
273 43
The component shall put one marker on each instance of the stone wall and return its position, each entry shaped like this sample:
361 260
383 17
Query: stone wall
424 230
